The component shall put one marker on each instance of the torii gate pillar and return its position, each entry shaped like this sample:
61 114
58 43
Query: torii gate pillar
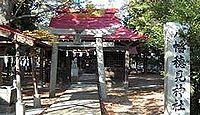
53 74
101 71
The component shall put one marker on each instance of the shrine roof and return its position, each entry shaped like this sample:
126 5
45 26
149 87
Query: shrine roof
6 31
9 29
81 19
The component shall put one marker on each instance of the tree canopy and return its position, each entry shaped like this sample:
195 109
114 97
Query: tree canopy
150 16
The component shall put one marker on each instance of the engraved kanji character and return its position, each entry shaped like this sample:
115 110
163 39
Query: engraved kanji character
179 76
179 62
179 89
179 46
178 105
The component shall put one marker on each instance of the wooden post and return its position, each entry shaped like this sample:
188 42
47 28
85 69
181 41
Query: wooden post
126 69
177 70
1 69
145 61
22 68
37 101
101 71
41 65
53 73
20 109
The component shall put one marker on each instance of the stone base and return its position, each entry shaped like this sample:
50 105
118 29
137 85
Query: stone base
74 79
7 109
20 108
37 100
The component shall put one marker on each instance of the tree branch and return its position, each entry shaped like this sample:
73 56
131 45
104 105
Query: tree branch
49 8
19 8
26 16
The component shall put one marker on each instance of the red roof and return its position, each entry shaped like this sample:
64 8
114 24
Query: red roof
21 37
123 33
9 29
83 21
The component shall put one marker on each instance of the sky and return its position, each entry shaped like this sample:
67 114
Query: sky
107 3
104 4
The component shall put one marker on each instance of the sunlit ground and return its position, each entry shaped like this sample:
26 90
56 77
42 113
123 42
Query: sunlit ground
144 97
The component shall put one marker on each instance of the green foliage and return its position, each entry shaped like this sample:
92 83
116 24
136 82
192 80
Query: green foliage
90 6
41 34
92 11
149 16
22 8
142 19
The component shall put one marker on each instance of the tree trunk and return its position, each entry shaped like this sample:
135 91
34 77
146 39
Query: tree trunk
145 62
5 10
2 12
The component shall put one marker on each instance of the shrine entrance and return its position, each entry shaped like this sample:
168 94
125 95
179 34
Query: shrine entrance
83 65
87 63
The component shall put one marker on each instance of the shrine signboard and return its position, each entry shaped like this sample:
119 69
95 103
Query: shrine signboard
177 70
24 39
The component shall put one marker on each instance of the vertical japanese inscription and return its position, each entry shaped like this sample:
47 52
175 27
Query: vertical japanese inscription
177 81
179 63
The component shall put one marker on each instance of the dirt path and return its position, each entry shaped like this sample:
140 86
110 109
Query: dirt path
144 97
79 99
